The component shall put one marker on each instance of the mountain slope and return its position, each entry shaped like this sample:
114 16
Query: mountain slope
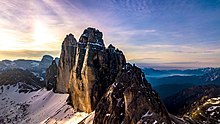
14 76
36 107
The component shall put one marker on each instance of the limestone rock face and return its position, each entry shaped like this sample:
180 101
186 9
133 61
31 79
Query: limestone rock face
51 76
66 63
95 70
130 100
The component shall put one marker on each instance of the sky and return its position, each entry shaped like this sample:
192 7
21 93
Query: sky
151 33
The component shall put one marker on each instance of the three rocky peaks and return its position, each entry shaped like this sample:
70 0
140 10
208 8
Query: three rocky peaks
99 79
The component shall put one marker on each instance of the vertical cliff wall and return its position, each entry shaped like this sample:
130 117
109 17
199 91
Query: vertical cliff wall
66 63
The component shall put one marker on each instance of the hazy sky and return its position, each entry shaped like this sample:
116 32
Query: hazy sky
171 33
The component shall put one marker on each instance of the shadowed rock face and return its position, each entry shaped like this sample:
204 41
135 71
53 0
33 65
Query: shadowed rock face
130 100
51 75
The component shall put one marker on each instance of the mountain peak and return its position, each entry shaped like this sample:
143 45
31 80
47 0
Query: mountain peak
69 40
92 35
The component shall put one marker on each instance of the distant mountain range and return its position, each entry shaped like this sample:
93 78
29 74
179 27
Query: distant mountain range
36 67
169 82
150 72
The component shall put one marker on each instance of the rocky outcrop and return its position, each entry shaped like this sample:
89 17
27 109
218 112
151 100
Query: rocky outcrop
130 100
45 62
206 111
51 76
87 68
66 62
95 69
57 60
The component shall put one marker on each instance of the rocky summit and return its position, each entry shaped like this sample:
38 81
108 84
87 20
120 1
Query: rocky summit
130 100
98 78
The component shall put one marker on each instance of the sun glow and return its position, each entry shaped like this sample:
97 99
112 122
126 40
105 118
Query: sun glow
42 38
41 34
7 42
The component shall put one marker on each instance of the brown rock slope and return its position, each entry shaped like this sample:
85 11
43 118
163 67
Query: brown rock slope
130 100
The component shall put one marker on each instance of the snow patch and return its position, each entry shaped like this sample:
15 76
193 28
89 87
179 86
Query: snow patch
147 114
155 121
212 108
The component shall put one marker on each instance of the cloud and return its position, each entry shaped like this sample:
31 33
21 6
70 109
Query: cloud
176 65
135 32
182 63
26 54
161 66
143 60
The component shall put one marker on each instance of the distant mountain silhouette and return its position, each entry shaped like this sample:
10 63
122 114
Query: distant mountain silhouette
170 85
150 72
